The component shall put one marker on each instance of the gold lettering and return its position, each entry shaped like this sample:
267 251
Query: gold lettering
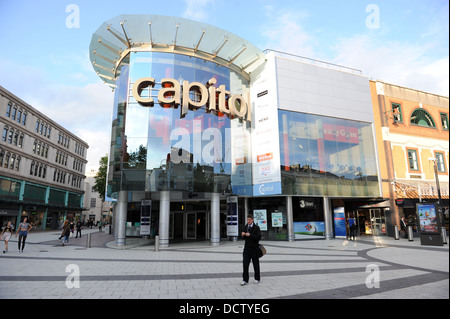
139 86
173 94
170 95
199 91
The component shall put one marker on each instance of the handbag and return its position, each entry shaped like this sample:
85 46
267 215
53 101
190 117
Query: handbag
262 251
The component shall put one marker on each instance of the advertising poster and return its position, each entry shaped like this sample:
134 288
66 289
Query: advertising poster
428 222
339 222
277 219
304 230
260 216
232 216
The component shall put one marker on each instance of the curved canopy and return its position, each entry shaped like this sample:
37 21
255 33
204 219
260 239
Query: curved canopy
115 38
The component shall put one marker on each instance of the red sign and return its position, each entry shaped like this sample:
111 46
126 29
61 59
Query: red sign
340 133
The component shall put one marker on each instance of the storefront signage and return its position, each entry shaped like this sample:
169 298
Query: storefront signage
232 216
174 94
146 211
303 230
340 133
339 222
399 202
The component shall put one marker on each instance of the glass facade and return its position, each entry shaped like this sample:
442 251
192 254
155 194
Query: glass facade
324 156
155 148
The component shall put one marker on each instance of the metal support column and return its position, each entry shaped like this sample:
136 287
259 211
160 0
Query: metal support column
164 219
121 218
328 218
290 219
215 219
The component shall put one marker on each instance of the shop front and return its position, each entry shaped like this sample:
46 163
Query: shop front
195 124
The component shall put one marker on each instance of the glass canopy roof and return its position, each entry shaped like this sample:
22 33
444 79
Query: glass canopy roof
115 38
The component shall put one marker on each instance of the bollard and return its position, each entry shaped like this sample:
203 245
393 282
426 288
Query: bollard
410 233
444 235
88 240
156 243
396 234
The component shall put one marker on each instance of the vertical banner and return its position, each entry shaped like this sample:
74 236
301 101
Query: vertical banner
232 216
146 211
266 172
339 222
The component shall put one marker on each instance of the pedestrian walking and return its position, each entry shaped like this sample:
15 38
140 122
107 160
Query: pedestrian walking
353 228
6 235
251 234
65 233
100 225
404 227
78 227
72 228
23 229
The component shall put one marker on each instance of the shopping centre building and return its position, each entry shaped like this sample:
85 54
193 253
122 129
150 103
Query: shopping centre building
207 128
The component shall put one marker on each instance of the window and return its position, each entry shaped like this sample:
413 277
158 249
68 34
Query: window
24 118
397 112
444 121
5 133
13 113
93 202
422 118
8 109
440 162
413 161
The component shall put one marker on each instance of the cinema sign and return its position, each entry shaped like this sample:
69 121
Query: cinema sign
172 93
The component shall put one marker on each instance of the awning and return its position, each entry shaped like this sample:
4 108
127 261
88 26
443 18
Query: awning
420 190
384 204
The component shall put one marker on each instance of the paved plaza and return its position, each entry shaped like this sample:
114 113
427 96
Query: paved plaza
369 268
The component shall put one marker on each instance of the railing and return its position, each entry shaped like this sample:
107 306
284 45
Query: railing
314 62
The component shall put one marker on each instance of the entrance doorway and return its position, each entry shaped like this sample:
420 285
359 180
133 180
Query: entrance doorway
371 221
196 225
378 222
189 225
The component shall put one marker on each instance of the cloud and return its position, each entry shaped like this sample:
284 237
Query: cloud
399 63
419 64
285 32
198 10
85 111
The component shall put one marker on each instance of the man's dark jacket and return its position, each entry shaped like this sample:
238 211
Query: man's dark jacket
252 242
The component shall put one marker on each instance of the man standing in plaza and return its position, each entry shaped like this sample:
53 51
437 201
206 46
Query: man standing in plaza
251 234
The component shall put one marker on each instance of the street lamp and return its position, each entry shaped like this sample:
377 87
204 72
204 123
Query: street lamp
441 211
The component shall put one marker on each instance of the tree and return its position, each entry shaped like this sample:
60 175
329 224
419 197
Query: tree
100 178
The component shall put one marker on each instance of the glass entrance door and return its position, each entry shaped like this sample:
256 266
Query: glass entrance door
191 225
378 222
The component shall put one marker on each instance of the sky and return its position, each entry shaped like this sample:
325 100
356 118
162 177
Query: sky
44 46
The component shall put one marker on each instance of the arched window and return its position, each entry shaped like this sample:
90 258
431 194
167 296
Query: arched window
422 118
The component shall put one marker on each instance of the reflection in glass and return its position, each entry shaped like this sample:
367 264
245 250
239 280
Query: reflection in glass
326 156
157 149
